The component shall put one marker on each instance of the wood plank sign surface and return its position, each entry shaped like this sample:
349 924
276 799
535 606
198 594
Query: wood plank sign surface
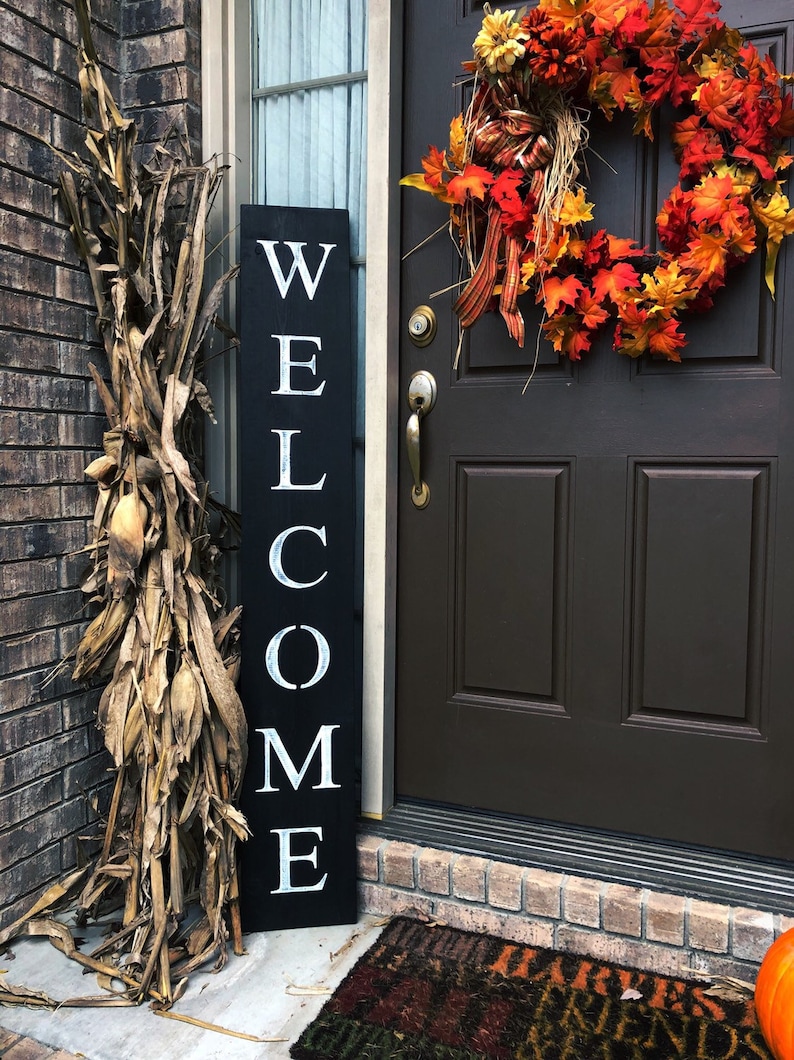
297 681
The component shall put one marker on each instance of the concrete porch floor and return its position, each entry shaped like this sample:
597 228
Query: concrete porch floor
258 994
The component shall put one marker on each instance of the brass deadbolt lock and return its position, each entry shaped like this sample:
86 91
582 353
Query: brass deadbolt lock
422 326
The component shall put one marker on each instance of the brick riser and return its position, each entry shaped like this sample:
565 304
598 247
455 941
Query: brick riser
642 928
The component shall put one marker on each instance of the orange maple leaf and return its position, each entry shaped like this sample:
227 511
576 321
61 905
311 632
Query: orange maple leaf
435 165
658 33
591 311
643 112
620 247
711 199
718 99
665 339
472 181
631 333
607 14
614 282
706 256
567 337
555 292
742 240
681 132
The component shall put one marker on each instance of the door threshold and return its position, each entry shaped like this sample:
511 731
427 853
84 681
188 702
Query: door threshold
695 872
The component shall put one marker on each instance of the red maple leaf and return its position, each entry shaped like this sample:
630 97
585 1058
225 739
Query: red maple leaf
700 16
699 152
622 79
664 80
673 222
611 283
504 189
517 211
784 126
759 159
596 249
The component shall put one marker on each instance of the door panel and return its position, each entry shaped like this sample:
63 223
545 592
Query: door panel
698 593
594 609
511 618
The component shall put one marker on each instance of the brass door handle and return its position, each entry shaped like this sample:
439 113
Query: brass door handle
422 391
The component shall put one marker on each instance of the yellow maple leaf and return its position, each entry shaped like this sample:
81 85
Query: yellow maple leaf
457 142
711 66
667 288
528 270
776 216
575 209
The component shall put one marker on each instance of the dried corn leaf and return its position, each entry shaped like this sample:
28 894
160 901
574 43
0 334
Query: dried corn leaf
21 995
170 714
50 899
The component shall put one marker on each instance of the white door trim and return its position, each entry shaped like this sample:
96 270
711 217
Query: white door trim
226 116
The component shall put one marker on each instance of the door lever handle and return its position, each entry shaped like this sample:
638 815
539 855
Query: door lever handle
422 391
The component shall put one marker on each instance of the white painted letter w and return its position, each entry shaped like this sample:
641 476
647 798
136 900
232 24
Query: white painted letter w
298 264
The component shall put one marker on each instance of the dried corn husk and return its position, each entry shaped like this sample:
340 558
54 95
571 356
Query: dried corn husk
101 467
125 536
170 713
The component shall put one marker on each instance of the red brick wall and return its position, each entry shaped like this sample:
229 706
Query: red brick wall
50 419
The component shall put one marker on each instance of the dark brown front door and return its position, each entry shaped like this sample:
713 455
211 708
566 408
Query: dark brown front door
596 609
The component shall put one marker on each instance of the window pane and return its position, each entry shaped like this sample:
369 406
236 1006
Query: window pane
299 40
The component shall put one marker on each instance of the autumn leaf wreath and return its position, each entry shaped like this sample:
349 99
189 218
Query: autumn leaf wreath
511 172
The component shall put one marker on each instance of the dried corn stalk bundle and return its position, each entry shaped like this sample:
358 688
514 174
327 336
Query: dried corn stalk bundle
170 713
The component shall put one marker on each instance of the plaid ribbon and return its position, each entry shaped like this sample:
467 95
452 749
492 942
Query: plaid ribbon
508 300
508 137
473 302
514 139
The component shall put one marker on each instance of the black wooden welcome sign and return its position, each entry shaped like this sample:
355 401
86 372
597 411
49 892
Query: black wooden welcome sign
297 681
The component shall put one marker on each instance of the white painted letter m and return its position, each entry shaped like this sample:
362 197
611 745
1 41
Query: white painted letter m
322 743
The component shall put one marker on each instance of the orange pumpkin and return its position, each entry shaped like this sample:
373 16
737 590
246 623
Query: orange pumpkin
774 997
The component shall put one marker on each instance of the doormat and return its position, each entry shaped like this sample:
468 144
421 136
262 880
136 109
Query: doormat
434 993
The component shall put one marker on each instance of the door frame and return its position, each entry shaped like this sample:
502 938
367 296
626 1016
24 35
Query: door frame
382 407
226 131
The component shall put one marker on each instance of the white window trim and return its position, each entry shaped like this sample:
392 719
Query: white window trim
226 115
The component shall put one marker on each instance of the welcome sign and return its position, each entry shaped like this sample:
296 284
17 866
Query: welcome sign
297 681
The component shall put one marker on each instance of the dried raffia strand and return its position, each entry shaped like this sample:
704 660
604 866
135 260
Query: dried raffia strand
568 135
170 713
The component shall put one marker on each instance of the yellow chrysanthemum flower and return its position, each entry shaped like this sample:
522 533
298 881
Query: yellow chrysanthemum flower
497 43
